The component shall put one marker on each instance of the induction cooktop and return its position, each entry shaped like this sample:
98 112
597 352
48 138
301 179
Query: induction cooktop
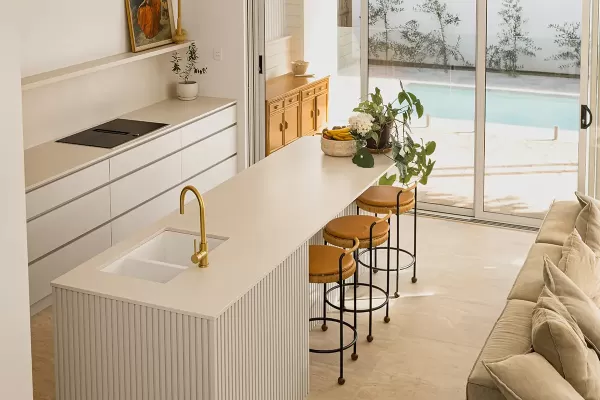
113 133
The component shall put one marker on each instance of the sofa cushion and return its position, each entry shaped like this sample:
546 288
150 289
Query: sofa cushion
580 263
580 306
510 336
556 336
530 377
588 226
559 222
530 281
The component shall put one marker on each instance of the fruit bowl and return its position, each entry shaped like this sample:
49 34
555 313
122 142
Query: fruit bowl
338 146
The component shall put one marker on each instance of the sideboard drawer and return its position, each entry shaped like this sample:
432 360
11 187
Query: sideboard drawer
294 98
144 154
308 93
208 152
65 189
207 126
276 105
134 189
321 87
68 222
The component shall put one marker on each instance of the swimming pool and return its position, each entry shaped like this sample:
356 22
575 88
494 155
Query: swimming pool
503 106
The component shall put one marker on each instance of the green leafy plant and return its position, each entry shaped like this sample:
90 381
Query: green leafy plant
412 159
190 68
568 38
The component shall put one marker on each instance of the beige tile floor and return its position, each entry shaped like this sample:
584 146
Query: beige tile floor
437 327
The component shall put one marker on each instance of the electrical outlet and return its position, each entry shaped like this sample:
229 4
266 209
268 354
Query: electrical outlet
218 54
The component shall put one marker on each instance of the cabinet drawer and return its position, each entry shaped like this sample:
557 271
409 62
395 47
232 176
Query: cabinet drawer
66 189
209 125
321 87
208 152
144 215
292 99
62 261
144 154
144 184
308 93
68 222
214 176
276 105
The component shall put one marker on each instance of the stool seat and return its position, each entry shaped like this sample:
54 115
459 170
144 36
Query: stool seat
324 264
341 231
381 199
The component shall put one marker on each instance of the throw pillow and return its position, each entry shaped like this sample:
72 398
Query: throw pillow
581 265
588 226
556 336
584 199
530 377
579 305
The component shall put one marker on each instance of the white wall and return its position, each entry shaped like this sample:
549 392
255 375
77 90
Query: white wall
275 24
15 347
321 35
222 24
278 54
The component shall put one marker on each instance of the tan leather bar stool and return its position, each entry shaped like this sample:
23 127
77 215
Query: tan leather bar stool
371 232
328 264
385 199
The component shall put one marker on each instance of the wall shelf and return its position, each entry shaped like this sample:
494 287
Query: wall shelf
89 67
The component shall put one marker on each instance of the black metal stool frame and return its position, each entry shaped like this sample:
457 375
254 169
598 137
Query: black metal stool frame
341 322
342 286
413 255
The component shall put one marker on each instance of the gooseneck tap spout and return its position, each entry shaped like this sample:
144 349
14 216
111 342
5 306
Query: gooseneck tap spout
199 257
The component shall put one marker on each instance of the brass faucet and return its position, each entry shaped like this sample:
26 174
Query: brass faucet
199 257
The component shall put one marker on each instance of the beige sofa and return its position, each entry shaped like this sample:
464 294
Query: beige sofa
511 334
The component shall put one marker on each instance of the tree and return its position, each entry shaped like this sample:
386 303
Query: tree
437 41
568 39
513 41
381 10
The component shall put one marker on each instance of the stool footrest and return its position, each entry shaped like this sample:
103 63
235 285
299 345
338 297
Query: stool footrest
336 350
406 266
362 310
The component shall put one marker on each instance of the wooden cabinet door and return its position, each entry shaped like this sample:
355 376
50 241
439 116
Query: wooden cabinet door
291 125
321 110
275 132
307 123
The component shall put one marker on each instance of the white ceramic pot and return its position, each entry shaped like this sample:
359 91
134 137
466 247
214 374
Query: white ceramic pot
187 91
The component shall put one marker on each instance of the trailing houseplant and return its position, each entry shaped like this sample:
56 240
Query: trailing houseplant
412 158
186 88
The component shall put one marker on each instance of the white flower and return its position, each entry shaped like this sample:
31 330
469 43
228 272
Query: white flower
361 123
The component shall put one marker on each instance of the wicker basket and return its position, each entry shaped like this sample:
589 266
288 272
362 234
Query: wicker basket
338 148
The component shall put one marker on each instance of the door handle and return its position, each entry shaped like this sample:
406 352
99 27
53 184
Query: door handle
312 113
286 125
281 127
585 113
318 113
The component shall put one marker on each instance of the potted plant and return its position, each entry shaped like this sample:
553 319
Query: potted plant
187 89
412 159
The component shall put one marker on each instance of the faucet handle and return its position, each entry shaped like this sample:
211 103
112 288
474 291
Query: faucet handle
195 258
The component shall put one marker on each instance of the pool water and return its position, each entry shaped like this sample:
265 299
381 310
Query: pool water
503 106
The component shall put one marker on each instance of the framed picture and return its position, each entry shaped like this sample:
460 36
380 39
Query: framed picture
150 23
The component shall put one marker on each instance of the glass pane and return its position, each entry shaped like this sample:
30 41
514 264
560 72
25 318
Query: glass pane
532 105
430 45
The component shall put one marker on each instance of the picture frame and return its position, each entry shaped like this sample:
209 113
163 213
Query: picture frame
151 23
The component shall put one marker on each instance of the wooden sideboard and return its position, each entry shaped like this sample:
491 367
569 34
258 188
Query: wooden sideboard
295 107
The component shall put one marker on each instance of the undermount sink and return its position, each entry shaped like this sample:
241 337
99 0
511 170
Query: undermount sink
161 258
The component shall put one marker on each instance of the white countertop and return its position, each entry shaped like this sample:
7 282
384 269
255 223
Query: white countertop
267 212
50 161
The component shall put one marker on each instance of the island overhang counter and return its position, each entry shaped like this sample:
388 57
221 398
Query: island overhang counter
235 330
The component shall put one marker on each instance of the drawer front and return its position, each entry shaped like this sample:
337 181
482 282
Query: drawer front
293 99
321 87
209 125
144 215
276 105
208 152
144 154
214 176
62 261
134 189
68 222
308 93
66 189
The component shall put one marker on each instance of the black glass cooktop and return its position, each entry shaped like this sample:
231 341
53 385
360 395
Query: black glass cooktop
113 133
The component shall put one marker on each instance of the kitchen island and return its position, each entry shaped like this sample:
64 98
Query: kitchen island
235 330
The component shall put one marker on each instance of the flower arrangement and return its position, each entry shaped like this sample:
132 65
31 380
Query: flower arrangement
374 119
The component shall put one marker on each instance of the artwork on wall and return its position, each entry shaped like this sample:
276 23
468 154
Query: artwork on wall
150 23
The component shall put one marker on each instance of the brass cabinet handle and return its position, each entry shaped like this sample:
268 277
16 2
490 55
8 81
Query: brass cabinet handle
286 125
281 127
312 113
318 113
276 106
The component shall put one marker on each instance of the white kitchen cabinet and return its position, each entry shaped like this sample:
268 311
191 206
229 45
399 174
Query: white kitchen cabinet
144 215
134 189
207 126
62 261
68 222
144 154
65 189
208 152
214 176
